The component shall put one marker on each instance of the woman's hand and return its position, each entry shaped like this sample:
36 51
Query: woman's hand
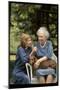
36 65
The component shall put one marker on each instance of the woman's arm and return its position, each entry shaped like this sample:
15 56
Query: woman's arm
49 50
42 59
36 65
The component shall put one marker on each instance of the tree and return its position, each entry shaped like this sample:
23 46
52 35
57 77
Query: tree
28 18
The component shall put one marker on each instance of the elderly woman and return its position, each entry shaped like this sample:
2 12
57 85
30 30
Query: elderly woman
44 52
22 57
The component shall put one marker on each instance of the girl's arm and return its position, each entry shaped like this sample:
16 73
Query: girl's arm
23 56
34 49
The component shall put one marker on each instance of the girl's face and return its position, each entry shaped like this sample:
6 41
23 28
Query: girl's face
29 42
42 38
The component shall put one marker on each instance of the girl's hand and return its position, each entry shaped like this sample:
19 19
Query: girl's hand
31 57
34 49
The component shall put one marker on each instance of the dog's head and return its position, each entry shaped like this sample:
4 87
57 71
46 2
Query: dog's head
32 60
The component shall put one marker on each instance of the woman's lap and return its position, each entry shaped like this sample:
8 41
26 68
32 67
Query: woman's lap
44 72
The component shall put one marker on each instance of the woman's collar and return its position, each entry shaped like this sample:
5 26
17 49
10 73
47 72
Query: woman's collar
42 46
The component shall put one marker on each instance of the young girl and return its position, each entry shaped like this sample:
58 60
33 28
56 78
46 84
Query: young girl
22 58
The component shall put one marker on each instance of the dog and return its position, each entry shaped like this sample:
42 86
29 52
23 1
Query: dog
44 64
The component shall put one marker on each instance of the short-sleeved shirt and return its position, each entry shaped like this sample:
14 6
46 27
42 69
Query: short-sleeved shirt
47 50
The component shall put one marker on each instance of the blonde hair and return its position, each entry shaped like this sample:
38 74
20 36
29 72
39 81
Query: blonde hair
24 38
43 29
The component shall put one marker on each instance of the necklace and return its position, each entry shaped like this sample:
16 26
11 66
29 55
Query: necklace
43 45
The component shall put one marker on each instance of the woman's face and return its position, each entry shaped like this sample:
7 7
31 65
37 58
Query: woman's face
42 38
29 42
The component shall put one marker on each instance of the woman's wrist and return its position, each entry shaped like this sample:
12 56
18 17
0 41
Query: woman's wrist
42 59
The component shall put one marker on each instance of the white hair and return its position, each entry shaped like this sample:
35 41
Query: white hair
43 29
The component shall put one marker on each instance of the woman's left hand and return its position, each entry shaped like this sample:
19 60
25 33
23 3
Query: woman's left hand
36 65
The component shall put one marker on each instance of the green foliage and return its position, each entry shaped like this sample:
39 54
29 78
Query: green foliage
28 18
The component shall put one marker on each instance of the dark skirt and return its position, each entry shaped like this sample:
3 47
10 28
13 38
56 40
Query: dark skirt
44 72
